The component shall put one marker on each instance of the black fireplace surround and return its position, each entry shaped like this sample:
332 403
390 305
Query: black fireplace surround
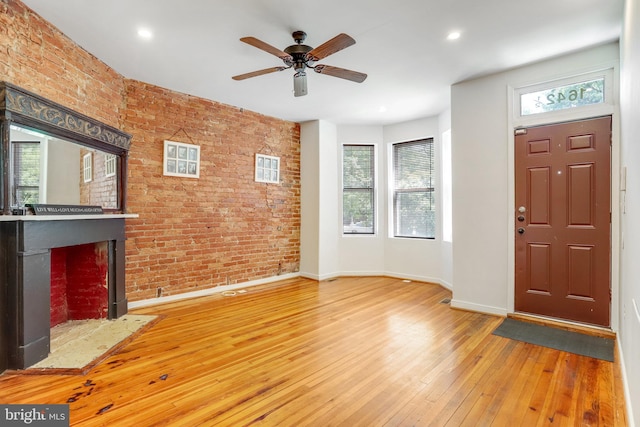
26 240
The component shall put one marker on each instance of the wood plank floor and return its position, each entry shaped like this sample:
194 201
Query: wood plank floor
349 352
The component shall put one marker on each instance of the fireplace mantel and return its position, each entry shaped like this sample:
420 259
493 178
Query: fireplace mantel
10 218
25 269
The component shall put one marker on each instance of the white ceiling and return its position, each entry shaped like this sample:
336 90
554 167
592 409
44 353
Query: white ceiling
401 44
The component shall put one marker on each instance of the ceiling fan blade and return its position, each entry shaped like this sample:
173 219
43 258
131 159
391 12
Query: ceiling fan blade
266 47
336 44
258 73
343 73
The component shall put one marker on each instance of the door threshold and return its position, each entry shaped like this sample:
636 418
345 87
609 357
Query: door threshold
585 328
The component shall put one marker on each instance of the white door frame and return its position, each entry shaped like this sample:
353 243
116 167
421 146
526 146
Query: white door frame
609 108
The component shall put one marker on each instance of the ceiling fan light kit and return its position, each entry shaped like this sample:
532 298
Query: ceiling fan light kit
299 56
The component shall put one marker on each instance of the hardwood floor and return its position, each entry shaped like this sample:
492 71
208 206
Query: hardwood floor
350 352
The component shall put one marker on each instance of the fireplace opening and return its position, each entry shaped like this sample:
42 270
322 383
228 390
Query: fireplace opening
79 283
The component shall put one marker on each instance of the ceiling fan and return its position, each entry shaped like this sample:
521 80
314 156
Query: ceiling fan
300 57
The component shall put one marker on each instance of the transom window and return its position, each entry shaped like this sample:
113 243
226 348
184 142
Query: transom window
592 91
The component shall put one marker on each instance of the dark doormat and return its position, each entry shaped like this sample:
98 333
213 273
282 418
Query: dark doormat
559 339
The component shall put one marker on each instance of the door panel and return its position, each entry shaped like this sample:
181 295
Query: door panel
562 222
540 278
539 196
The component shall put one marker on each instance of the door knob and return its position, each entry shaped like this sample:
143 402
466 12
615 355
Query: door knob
521 230
520 218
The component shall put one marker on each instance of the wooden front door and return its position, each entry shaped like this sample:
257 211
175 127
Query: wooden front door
562 238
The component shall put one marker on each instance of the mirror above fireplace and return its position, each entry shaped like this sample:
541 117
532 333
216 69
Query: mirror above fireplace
53 155
52 170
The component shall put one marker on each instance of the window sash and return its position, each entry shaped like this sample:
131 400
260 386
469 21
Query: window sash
26 172
358 190
414 189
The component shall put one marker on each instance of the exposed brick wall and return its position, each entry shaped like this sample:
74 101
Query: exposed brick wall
59 311
87 289
223 227
36 56
192 233
79 283
102 190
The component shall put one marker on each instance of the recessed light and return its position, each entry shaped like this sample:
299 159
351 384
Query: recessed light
382 109
145 33
454 35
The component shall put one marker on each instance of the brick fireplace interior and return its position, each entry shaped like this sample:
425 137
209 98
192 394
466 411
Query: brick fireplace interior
79 282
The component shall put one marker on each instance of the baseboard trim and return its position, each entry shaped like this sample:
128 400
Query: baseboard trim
479 308
209 291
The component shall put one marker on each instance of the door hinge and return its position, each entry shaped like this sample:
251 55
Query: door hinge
520 132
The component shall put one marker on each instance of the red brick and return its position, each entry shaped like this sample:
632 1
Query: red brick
237 228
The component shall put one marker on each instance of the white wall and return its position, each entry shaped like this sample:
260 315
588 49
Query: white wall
320 217
63 172
325 252
482 131
363 255
629 333
309 199
418 259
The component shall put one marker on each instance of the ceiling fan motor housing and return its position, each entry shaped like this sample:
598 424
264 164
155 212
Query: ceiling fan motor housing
298 52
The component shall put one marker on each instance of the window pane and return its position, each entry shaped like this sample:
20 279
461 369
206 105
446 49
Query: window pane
413 165
415 214
358 193
563 97
26 170
414 179
357 212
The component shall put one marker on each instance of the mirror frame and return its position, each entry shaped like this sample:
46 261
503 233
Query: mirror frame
23 108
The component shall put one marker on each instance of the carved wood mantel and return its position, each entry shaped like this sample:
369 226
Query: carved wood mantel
22 107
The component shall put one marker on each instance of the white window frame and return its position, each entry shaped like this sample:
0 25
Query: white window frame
590 110
373 190
392 191
110 161
180 159
267 169
87 167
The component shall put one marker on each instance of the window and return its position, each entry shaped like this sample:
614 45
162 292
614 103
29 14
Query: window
87 167
563 97
358 189
447 190
591 93
267 169
413 189
26 173
110 165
